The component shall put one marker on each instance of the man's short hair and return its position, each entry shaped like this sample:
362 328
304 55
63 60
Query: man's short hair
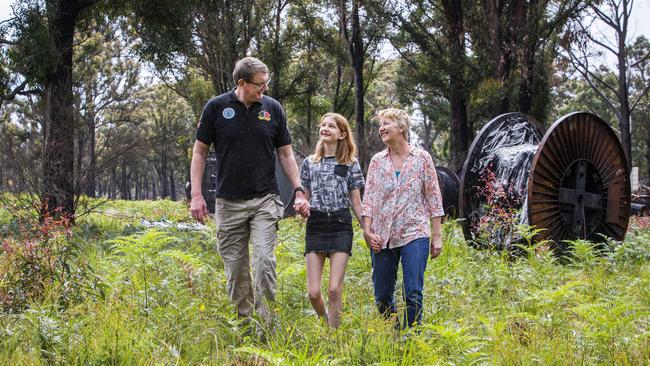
247 67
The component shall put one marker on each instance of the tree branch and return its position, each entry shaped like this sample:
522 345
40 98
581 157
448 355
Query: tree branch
584 71
640 97
18 89
8 42
604 17
641 59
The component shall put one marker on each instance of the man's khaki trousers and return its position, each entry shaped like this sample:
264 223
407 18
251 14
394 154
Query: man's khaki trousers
238 222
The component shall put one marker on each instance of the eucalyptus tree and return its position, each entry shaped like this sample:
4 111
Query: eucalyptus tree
105 73
21 146
324 55
640 119
614 17
430 37
42 49
38 43
519 41
168 121
362 30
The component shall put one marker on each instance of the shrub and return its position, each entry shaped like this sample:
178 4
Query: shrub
37 254
497 224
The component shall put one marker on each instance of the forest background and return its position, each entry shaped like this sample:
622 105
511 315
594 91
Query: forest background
100 262
86 86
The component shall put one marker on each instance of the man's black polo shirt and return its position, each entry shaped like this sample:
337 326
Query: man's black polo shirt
244 141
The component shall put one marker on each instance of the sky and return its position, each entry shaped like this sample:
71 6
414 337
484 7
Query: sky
639 25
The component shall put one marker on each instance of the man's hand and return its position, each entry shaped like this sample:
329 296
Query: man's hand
198 208
436 247
372 240
301 205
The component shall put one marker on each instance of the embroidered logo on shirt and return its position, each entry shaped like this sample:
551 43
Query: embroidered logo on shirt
264 116
228 113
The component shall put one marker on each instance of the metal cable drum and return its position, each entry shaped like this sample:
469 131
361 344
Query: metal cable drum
504 146
449 185
209 184
579 184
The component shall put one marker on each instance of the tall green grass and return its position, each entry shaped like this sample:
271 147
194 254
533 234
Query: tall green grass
159 297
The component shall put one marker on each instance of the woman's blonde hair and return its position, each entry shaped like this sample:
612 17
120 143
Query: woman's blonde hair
399 116
346 149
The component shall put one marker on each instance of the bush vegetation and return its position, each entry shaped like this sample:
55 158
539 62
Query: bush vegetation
127 294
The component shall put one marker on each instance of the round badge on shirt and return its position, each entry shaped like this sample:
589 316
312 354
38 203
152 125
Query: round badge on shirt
228 113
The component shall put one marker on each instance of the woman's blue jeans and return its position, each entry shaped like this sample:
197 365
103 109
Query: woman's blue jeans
413 256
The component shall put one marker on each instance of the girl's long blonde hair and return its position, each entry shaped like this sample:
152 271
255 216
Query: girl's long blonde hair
346 149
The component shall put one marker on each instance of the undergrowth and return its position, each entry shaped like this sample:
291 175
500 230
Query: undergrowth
158 296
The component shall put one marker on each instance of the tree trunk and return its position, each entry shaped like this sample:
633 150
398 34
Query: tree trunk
355 46
58 146
172 183
163 176
647 158
623 97
498 56
91 173
80 144
526 84
112 193
276 61
460 130
308 122
427 143
123 181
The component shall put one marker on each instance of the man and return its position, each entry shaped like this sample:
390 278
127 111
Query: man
247 128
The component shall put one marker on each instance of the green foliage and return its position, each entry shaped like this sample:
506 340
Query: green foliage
31 56
164 302
41 256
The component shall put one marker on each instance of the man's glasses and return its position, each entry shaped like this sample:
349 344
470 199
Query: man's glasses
260 85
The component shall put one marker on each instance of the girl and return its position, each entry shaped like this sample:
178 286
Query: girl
331 178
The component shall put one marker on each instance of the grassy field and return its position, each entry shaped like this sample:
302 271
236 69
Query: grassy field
131 295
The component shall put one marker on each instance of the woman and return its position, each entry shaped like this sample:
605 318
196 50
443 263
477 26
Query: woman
401 204
331 178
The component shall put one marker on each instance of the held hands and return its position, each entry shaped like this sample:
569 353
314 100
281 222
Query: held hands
436 247
372 240
301 205
198 208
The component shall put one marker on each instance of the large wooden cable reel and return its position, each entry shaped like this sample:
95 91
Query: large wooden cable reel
579 185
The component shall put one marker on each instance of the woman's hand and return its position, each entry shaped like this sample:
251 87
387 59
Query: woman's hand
372 240
436 247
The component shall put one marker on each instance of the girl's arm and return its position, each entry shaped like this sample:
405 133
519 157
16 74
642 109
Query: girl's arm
355 201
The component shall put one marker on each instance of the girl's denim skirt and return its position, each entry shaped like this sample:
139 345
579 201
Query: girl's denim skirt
329 232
